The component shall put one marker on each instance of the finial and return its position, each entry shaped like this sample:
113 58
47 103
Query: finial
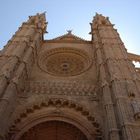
44 13
97 14
69 31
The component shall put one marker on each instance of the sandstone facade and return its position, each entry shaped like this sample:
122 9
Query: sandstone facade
68 88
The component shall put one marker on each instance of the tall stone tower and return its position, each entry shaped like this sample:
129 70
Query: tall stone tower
68 88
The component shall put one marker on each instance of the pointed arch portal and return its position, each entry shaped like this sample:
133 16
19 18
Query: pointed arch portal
54 130
55 119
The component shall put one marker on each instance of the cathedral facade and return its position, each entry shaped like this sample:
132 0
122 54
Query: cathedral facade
68 88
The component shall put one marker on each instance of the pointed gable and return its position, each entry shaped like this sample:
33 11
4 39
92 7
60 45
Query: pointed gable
69 37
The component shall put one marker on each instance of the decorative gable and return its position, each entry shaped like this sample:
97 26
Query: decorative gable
69 37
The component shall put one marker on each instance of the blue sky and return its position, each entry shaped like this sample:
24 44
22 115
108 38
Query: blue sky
63 15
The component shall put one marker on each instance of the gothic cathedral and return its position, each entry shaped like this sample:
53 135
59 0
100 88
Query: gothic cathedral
68 88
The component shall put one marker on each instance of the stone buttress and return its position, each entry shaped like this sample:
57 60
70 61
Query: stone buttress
118 81
16 60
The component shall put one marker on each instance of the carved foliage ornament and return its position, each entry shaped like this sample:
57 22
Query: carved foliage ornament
64 61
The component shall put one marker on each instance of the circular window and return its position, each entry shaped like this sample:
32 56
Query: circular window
64 61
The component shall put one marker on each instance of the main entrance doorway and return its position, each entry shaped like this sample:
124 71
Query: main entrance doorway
54 130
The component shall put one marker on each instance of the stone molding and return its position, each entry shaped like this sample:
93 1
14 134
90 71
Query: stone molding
59 104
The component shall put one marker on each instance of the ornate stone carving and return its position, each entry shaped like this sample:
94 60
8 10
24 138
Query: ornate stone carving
64 61
110 89
57 103
61 88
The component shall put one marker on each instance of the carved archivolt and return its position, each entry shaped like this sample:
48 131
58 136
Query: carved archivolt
64 61
58 104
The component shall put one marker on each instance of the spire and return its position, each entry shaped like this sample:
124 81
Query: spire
39 20
101 20
98 20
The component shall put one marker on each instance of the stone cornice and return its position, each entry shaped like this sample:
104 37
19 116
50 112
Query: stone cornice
68 41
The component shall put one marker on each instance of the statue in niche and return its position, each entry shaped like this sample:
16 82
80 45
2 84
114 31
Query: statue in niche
136 107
